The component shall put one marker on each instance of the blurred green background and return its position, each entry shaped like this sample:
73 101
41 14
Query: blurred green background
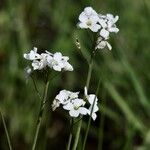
123 122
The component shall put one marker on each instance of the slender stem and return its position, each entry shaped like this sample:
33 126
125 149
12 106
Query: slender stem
89 121
6 131
77 135
36 89
89 74
101 127
69 141
87 86
40 115
70 136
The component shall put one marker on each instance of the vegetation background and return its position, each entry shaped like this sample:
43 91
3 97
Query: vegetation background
123 122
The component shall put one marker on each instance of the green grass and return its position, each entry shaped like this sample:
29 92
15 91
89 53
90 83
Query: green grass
124 71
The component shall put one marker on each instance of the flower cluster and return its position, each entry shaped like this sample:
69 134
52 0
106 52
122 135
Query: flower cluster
76 106
55 61
104 24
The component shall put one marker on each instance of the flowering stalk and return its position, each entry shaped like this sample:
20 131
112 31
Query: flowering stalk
89 121
6 131
87 85
40 114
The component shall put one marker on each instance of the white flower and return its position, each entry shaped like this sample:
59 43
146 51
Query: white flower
95 109
70 101
111 23
89 19
40 64
108 25
28 71
56 103
59 62
104 33
33 55
67 66
92 99
55 61
64 97
76 108
101 44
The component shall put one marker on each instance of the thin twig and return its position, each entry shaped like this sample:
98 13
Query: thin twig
6 131
40 115
36 89
70 136
101 126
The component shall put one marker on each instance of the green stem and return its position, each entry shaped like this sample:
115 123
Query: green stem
40 115
6 131
70 136
36 89
101 131
89 121
89 74
77 135
101 127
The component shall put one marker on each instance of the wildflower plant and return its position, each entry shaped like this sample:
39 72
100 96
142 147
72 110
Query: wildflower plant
55 61
76 106
45 61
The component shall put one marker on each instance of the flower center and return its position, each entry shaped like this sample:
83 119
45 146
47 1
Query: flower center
76 107
89 23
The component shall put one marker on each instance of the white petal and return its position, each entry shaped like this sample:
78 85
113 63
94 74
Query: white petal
92 98
57 56
73 95
89 11
35 65
25 56
55 104
68 67
49 59
83 110
94 116
110 17
116 19
74 113
104 33
85 91
35 49
50 54
95 27
57 68
83 25
109 46
113 29
95 108
94 18
103 23
101 45
66 58
83 17
78 102
62 96
68 106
